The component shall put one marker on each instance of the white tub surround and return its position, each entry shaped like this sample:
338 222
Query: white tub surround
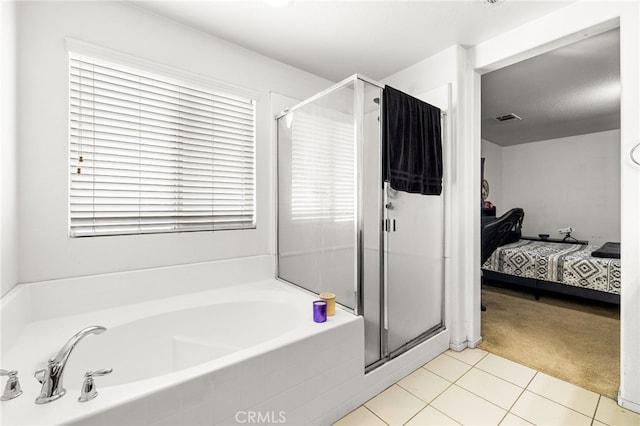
70 296
186 354
201 344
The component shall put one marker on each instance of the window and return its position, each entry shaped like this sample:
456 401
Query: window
150 154
323 166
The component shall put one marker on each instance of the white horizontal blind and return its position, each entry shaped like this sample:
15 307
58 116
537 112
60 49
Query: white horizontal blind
323 166
150 154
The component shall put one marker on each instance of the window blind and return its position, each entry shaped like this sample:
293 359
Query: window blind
151 154
323 166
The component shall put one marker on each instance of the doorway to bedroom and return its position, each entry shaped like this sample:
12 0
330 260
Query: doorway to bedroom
551 146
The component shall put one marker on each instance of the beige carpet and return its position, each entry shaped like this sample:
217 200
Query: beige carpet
574 341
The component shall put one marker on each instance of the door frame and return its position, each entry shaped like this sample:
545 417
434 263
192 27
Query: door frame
565 26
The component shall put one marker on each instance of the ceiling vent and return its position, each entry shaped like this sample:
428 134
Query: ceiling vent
507 117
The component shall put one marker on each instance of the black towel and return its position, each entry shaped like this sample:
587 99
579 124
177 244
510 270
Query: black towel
412 144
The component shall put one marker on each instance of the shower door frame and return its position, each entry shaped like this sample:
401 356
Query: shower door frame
385 356
358 82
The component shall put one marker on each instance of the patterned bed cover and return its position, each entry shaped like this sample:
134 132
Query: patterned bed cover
570 264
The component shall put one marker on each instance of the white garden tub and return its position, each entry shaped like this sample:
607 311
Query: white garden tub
229 355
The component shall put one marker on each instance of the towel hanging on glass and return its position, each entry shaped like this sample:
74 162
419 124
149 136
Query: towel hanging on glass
412 143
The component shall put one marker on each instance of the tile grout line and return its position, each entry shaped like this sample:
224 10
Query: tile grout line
475 365
564 381
472 393
463 374
593 419
410 393
444 378
556 402
519 396
411 418
445 389
562 405
472 365
373 412
523 389
502 418
428 403
482 398
526 388
509 381
444 414
507 411
531 379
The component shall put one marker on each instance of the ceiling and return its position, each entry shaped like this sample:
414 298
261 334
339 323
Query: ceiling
335 39
572 90
569 91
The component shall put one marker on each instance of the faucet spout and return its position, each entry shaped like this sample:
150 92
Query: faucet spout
52 376
63 354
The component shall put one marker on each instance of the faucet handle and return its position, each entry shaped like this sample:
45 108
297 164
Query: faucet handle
39 375
12 389
102 372
88 391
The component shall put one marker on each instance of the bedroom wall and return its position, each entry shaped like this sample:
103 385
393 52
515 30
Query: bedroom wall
573 181
45 250
492 154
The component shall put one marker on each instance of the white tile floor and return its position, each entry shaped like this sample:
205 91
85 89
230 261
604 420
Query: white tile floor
475 387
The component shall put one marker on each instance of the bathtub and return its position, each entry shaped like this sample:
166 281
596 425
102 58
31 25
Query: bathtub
217 342
235 354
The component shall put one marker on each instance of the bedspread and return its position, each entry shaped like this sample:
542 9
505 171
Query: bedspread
570 264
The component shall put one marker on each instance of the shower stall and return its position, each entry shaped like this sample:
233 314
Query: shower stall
342 229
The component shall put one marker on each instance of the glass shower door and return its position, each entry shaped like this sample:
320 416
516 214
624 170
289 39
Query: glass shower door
414 262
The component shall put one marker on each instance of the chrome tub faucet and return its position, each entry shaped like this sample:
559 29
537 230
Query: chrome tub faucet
51 377
12 389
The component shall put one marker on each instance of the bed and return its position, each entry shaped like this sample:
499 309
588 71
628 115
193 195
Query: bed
560 267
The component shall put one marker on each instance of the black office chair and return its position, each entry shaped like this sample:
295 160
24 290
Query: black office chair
504 230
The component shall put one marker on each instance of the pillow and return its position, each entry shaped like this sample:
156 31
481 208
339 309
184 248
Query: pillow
608 250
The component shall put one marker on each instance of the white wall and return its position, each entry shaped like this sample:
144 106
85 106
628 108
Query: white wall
8 149
45 251
572 23
492 154
572 181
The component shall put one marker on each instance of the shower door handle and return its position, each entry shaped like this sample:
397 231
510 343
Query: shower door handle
390 225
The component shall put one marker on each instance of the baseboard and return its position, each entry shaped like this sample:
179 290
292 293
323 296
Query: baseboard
474 344
458 347
629 405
